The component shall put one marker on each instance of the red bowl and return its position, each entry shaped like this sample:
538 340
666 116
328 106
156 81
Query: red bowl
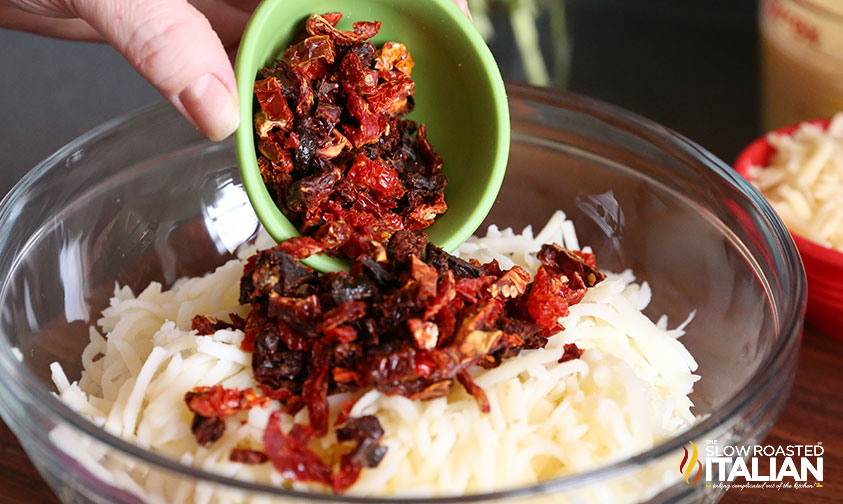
823 266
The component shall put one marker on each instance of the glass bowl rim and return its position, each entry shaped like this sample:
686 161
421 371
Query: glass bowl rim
765 376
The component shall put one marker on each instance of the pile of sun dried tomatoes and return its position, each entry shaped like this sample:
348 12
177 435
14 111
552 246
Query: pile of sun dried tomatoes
333 144
412 323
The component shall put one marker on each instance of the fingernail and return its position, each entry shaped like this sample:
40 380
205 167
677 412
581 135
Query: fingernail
212 109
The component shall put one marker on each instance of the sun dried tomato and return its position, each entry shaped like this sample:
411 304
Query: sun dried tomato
291 455
209 325
446 320
344 375
244 456
319 25
333 235
315 388
371 124
423 215
571 352
475 391
571 263
221 402
300 247
547 301
332 17
293 309
273 103
272 147
290 452
211 405
276 270
355 77
276 174
346 312
425 333
510 284
444 262
406 244
364 433
472 289
310 57
391 96
206 430
366 29
345 410
334 146
427 152
394 55
376 177
292 141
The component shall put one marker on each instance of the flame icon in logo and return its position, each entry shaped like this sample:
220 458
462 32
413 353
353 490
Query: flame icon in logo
686 467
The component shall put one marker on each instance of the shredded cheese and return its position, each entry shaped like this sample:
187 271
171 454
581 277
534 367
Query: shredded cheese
804 181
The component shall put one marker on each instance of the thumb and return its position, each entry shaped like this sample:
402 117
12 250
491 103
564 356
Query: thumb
173 46
463 5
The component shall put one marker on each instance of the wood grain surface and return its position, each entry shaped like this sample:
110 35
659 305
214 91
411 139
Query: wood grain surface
813 413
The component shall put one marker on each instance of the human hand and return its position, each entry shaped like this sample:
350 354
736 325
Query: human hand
181 47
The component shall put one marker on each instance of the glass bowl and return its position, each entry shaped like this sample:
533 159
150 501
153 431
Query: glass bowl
145 198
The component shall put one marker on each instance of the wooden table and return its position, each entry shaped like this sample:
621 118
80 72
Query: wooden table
813 413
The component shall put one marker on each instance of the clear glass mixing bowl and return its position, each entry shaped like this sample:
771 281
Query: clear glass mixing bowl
146 198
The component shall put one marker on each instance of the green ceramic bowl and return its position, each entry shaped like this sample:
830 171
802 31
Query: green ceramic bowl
460 96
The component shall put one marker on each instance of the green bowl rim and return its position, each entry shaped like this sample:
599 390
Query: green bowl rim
276 223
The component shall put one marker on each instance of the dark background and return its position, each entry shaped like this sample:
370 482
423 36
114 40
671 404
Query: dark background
689 65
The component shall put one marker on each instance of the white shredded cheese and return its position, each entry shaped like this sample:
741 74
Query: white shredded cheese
804 181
